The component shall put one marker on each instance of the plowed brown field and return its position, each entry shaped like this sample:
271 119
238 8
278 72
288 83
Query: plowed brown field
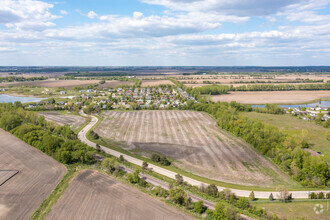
92 195
74 121
195 142
38 175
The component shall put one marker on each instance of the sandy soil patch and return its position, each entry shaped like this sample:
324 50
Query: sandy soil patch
92 195
68 84
74 121
38 175
146 83
262 97
194 141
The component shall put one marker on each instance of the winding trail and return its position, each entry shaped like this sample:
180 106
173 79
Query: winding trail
171 174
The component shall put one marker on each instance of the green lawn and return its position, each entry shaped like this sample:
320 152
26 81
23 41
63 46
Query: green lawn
291 125
298 210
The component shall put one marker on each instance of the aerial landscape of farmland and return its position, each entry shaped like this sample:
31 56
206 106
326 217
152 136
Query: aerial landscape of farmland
165 109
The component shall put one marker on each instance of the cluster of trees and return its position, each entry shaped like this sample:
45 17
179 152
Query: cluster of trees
60 142
271 109
319 195
21 79
160 159
285 150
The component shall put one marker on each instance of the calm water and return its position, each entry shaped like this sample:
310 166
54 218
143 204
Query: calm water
319 104
12 99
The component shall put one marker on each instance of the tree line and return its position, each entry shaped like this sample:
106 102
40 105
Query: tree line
223 89
21 79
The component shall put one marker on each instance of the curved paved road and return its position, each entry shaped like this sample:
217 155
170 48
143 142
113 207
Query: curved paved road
171 174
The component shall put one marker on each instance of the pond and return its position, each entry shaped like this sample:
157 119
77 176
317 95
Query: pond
12 99
323 104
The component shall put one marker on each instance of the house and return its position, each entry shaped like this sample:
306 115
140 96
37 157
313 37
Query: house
62 92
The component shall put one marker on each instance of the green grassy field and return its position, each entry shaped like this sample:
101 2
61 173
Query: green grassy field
298 210
315 134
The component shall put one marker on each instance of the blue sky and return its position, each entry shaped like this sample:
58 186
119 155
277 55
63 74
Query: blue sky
165 32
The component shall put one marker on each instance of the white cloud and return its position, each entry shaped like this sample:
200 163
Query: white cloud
25 14
92 15
229 7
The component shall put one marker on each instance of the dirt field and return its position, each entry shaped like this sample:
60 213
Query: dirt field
114 83
195 142
38 175
262 97
68 84
74 121
146 83
92 195
5 175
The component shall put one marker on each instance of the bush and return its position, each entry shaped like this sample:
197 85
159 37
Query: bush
199 207
212 190
178 196
160 192
251 196
94 135
160 159
271 197
179 179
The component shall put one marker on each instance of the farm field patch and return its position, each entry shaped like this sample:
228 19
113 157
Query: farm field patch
315 135
195 143
298 210
67 84
146 83
263 97
114 83
92 195
38 175
74 121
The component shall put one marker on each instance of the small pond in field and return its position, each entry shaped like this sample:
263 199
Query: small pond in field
323 104
22 99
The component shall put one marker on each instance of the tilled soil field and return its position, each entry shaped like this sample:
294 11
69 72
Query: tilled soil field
74 121
38 175
263 97
195 142
67 84
146 83
92 195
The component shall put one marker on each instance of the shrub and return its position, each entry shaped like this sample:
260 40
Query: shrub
199 207
251 196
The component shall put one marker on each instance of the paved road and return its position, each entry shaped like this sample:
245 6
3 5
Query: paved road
171 174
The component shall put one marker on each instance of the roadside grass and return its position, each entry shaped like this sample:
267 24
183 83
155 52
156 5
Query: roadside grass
87 121
118 147
297 209
50 201
293 126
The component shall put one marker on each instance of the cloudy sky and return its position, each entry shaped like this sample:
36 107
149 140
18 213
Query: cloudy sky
165 32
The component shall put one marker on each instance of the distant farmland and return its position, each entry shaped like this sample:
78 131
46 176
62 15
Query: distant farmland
22 194
92 195
196 144
263 97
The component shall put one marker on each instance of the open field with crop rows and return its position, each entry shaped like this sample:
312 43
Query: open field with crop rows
74 121
196 144
92 195
38 175
262 97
